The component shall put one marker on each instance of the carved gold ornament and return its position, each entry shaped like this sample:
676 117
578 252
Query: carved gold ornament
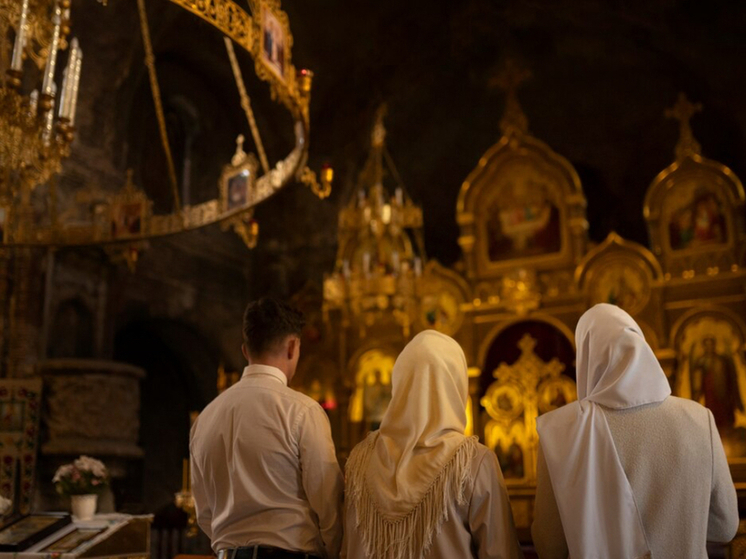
521 392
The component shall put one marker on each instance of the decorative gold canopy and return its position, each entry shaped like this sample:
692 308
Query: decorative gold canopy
381 253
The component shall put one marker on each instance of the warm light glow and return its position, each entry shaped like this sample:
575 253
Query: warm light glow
469 431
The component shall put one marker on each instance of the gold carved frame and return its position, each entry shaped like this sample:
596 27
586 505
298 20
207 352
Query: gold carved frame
450 289
244 163
706 259
129 196
616 251
477 192
272 10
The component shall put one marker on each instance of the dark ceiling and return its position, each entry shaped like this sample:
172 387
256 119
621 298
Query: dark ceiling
603 74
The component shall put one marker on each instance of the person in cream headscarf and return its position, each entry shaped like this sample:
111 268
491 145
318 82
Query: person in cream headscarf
628 471
418 488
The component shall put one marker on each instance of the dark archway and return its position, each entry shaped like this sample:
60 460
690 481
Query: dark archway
552 342
181 377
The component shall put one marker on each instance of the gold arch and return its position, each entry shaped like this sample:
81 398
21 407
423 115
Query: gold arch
614 240
703 310
384 357
540 317
663 181
567 195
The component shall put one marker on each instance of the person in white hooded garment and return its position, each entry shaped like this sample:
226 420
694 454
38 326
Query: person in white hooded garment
628 471
418 488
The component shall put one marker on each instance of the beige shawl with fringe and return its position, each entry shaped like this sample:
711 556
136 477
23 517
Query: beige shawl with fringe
401 479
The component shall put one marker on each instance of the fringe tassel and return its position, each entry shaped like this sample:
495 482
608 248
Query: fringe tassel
410 536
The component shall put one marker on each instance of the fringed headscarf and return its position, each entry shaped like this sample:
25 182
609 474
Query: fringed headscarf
617 369
402 478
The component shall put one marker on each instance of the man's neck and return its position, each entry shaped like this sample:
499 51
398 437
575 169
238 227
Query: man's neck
270 362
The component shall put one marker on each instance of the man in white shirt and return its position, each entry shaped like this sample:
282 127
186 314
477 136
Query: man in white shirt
265 477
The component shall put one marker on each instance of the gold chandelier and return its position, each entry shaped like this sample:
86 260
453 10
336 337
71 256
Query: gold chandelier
381 252
36 130
36 127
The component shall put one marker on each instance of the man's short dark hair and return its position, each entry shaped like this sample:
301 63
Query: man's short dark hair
267 322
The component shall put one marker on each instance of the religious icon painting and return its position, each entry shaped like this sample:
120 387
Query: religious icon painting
127 219
622 282
440 311
695 217
274 49
129 211
523 219
443 294
621 273
508 444
237 184
372 394
711 370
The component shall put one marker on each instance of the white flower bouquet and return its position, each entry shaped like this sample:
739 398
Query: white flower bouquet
84 476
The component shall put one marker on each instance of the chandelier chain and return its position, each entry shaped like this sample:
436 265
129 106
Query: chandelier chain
155 89
246 104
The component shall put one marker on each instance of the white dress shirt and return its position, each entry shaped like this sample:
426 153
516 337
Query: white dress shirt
264 470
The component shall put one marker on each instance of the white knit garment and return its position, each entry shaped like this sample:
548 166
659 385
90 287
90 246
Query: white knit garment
616 368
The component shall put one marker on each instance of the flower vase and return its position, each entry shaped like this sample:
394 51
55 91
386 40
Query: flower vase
83 506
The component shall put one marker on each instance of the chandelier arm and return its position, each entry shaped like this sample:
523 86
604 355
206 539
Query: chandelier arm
246 104
155 89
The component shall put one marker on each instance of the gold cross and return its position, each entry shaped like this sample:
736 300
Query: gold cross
508 79
683 111
527 344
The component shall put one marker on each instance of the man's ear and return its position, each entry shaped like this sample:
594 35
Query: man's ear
291 346
245 352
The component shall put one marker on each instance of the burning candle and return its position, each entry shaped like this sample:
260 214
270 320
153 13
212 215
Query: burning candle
33 103
46 87
68 81
17 60
49 118
75 86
